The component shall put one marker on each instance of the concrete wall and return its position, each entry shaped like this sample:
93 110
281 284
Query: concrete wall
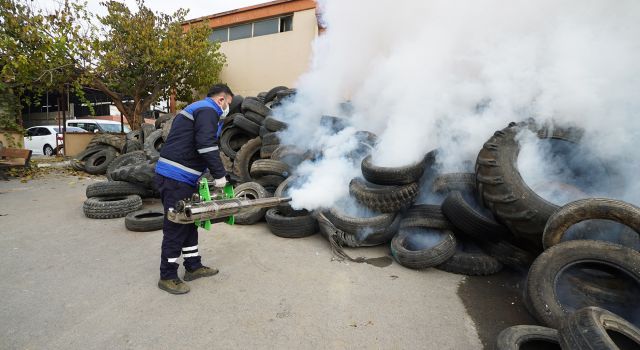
260 63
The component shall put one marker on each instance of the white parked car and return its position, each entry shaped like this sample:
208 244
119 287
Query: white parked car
97 125
42 139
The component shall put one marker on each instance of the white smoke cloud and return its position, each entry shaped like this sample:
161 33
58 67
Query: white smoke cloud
447 74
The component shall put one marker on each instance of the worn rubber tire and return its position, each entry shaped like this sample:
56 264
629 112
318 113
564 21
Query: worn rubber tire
232 139
132 146
250 190
426 215
134 135
428 257
403 175
282 191
289 154
513 338
470 260
266 167
588 209
503 190
508 254
153 143
142 174
379 229
270 139
99 162
587 329
271 94
248 126
166 128
147 129
267 151
446 183
272 124
226 162
159 123
236 103
255 105
295 226
270 182
144 220
245 157
115 188
541 281
125 159
384 199
113 140
254 117
111 207
474 223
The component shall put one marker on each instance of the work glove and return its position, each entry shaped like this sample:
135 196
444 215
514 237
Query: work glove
220 183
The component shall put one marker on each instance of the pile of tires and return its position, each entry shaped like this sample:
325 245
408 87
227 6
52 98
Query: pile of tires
129 173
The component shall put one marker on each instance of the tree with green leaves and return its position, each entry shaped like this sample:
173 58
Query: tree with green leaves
143 55
34 55
134 57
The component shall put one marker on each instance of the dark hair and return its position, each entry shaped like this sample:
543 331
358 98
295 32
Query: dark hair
219 88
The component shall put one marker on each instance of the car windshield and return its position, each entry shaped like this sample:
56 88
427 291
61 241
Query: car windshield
113 127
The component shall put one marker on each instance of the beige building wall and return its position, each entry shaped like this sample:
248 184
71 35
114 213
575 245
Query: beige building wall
260 63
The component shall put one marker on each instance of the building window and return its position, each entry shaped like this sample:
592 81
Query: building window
264 27
240 32
286 23
269 26
220 35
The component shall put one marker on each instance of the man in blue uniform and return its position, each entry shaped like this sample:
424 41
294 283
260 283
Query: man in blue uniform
190 148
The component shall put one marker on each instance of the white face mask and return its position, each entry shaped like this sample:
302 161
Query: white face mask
225 112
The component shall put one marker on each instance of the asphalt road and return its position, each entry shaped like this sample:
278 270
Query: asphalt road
68 282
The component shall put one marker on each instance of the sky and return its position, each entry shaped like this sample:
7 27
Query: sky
197 8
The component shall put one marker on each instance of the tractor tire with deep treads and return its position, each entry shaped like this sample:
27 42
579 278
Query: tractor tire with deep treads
384 199
132 146
98 162
503 190
297 225
111 207
166 128
245 157
125 159
593 328
153 143
115 188
515 337
144 220
112 140
589 209
141 174
380 175
541 286
159 123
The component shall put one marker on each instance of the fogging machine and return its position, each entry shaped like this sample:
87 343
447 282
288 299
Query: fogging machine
220 205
